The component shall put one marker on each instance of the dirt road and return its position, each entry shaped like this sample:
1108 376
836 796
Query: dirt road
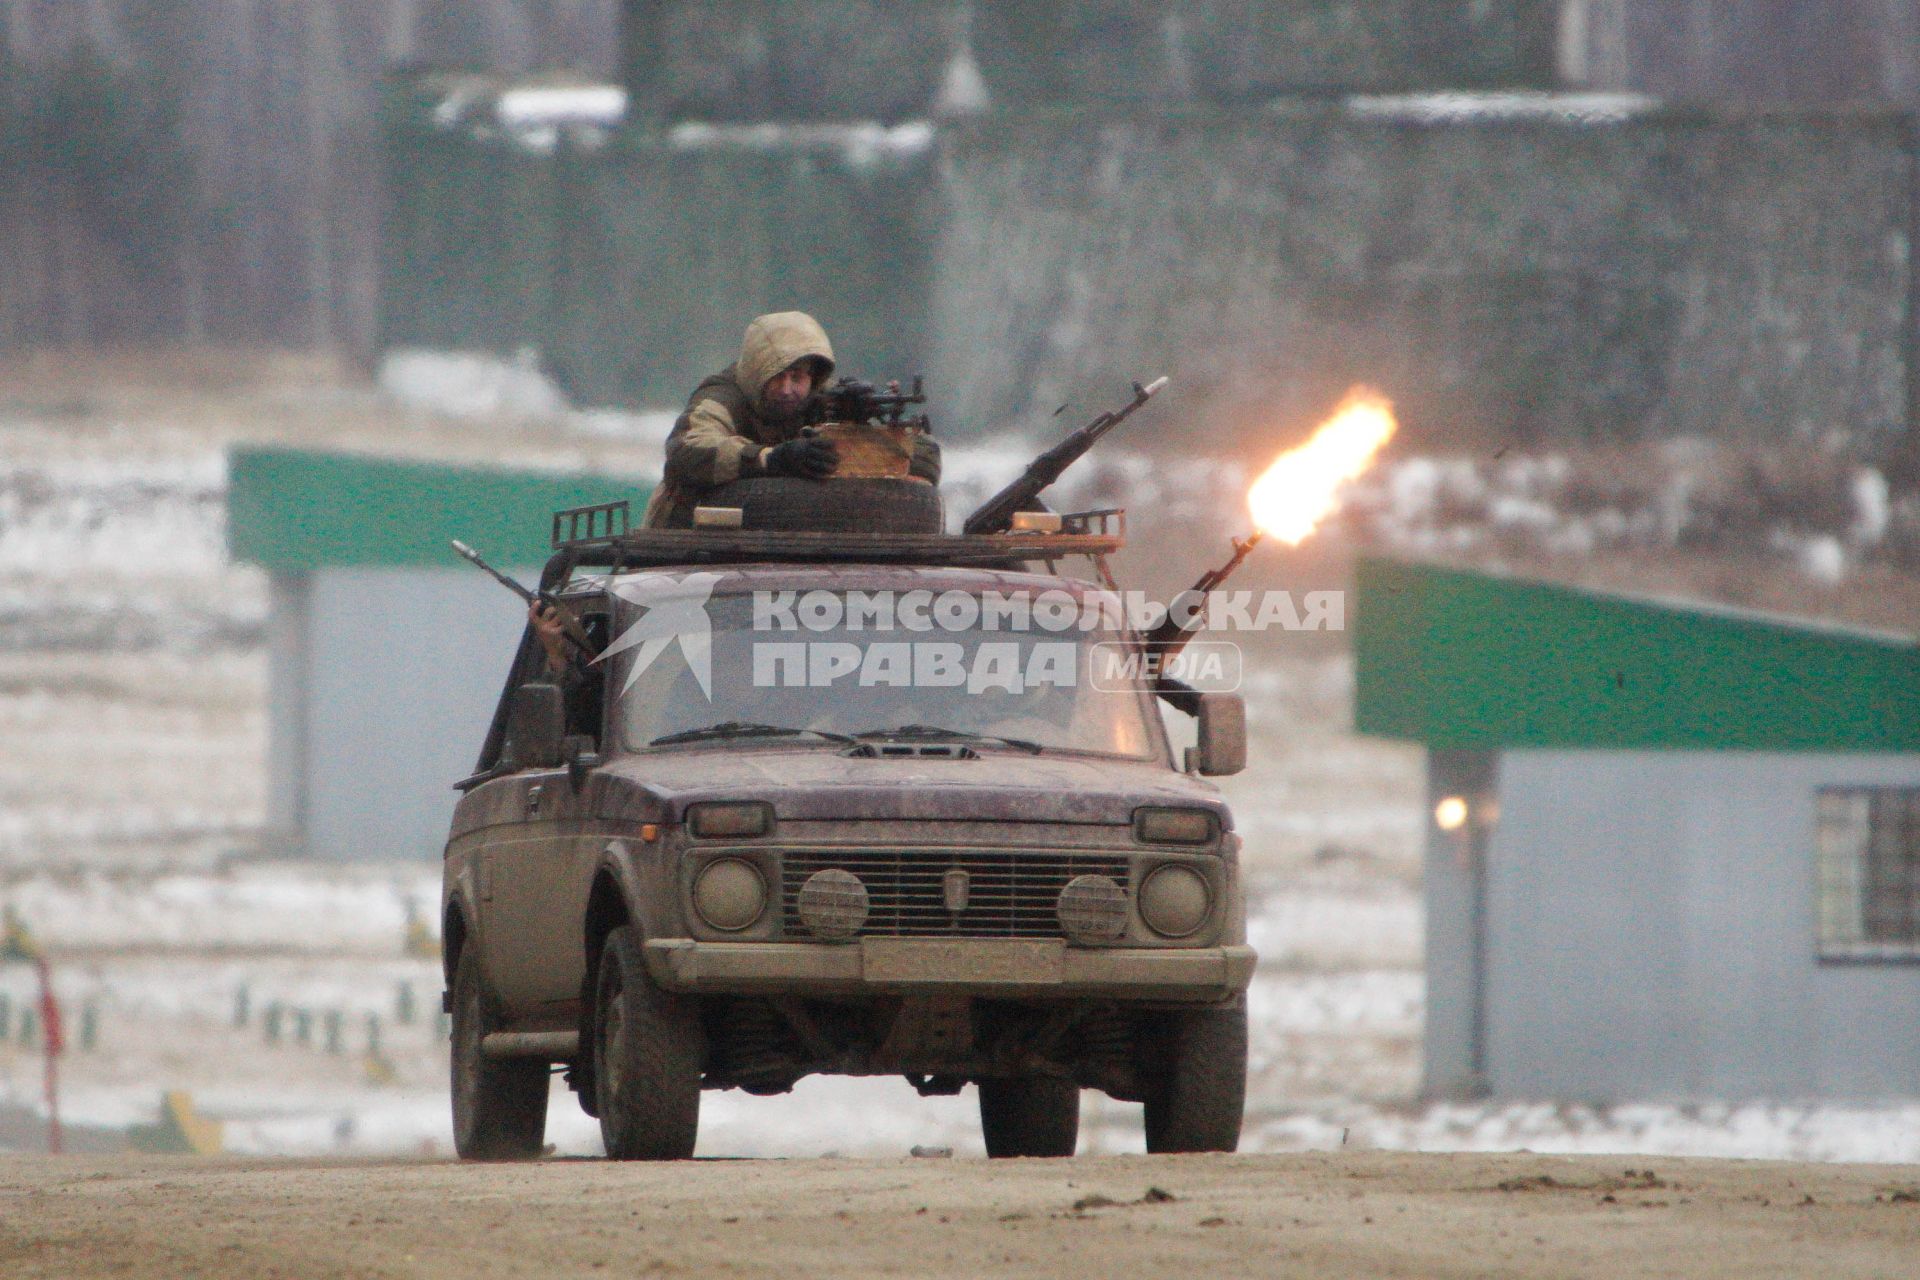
1364 1214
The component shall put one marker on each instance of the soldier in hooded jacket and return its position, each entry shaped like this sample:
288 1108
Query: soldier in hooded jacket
745 421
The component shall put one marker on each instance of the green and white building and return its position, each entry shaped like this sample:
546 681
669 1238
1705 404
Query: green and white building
387 652
1674 852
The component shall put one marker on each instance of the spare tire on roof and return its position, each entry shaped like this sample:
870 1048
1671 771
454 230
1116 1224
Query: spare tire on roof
784 504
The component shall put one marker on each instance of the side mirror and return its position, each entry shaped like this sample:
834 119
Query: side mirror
1222 746
536 724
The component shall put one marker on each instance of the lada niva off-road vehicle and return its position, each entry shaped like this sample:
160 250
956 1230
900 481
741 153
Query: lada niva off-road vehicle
708 861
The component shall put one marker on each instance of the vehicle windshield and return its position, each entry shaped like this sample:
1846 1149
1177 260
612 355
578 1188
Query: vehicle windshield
824 673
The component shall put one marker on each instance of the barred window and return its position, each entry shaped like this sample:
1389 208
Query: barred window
1868 841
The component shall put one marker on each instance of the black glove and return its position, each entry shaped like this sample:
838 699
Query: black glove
809 457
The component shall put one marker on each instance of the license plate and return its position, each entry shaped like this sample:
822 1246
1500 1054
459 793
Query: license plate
1025 962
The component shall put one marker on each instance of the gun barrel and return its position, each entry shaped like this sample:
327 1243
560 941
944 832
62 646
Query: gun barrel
569 620
996 514
1174 632
474 558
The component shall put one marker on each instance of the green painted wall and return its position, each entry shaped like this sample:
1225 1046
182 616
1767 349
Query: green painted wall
1462 660
633 264
293 510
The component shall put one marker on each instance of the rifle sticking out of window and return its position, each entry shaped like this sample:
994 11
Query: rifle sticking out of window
1188 611
569 620
996 516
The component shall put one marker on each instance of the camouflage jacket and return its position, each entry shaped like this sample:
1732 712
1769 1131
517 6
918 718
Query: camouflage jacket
722 434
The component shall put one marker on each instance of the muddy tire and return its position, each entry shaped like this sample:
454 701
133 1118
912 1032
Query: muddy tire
499 1106
1039 1116
1198 1088
784 504
647 1048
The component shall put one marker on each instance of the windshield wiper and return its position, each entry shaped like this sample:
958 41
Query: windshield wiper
911 732
743 729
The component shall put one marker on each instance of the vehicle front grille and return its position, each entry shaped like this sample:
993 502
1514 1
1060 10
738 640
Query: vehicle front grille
1009 894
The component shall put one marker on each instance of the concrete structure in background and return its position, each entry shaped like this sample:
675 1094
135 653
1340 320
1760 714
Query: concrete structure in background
823 59
855 60
1817 53
1509 271
1675 853
387 654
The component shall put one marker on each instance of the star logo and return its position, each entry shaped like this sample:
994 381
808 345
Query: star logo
676 612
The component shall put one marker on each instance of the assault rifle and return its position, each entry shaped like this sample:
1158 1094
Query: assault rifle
569 620
996 516
1173 633
1171 636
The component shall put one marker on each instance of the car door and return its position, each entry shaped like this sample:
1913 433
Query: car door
535 870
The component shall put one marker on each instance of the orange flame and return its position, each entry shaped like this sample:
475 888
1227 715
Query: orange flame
1302 487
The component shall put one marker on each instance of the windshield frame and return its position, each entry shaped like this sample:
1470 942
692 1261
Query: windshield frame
1157 748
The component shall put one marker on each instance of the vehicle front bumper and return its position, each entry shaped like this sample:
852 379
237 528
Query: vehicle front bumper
1012 968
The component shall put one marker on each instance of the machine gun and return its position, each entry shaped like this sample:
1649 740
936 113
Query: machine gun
851 400
996 516
569 620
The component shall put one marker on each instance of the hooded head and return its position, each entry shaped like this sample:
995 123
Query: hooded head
775 342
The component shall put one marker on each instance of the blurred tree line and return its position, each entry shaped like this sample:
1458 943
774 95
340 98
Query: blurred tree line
213 169
114 136
101 198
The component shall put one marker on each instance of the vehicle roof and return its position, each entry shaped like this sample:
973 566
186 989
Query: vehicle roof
735 578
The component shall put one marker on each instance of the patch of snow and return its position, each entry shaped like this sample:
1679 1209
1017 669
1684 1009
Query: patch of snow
963 90
461 102
1872 509
648 429
168 1021
859 145
1499 107
296 907
471 384
1820 557
1515 512
76 517
1887 1134
1329 930
1373 1001
547 105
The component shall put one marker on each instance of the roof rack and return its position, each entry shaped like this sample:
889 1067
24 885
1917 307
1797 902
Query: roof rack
592 542
589 525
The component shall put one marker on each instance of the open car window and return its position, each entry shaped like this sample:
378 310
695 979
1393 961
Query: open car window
585 698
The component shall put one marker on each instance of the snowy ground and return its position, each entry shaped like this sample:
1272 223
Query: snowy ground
165 963
179 972
132 688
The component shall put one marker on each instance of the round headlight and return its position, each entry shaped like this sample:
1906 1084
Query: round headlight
730 894
1175 901
833 904
1092 909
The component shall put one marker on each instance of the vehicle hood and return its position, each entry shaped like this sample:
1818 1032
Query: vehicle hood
803 784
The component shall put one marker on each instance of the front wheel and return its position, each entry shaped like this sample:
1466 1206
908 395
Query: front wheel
1036 1116
499 1106
647 1048
1198 1089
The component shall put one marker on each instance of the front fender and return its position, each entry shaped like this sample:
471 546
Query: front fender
459 899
